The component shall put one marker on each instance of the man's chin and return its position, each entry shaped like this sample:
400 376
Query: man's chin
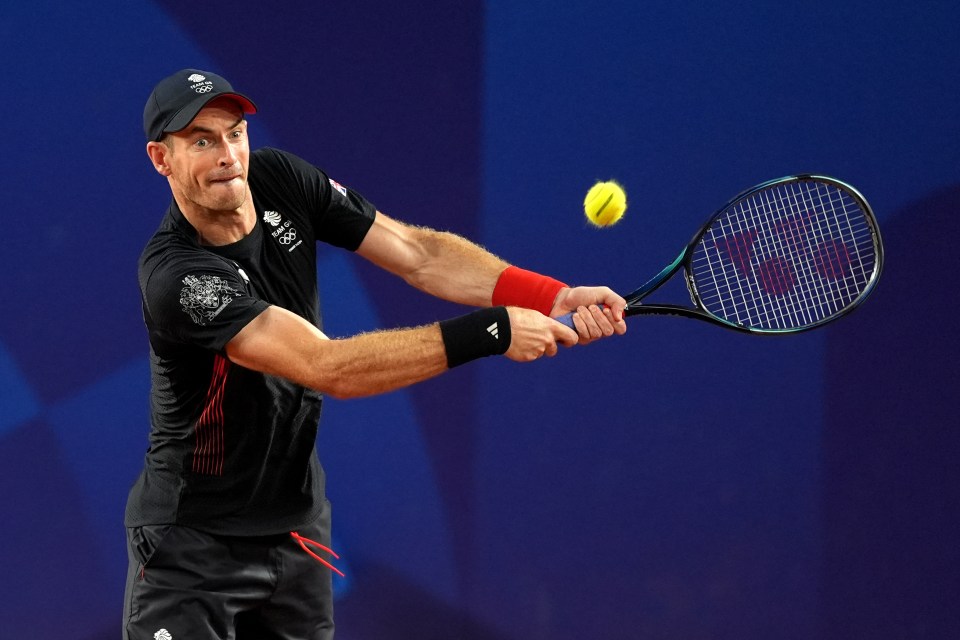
226 199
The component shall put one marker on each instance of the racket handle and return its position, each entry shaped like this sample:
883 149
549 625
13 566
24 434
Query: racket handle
567 319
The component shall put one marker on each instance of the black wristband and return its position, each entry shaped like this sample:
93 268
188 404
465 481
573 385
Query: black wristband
482 333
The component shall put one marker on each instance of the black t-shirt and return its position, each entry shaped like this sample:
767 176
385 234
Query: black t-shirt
233 451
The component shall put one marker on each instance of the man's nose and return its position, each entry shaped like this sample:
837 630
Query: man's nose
228 156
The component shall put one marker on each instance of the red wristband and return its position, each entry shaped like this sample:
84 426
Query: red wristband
521 288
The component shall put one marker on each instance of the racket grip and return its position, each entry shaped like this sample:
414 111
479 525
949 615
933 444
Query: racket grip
567 319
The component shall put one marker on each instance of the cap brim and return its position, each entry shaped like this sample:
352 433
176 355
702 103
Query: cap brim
185 116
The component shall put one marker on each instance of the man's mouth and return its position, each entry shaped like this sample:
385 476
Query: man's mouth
224 179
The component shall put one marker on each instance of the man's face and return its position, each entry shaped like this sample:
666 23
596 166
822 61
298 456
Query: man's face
208 160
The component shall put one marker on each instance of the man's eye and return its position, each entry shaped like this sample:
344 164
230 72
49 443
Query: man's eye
202 142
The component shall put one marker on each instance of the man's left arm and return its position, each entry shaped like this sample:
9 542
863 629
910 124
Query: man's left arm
451 267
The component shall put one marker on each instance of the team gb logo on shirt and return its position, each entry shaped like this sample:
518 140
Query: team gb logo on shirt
284 233
203 297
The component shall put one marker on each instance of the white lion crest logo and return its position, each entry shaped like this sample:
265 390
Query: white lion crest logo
195 77
163 634
204 297
271 217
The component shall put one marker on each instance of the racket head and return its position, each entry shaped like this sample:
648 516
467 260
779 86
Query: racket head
787 255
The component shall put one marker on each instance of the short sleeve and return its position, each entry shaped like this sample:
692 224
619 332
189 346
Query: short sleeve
202 301
338 215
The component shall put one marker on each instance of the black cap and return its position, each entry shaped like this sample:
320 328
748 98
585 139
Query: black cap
177 100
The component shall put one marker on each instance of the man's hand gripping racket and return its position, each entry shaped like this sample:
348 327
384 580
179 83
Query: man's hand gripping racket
787 255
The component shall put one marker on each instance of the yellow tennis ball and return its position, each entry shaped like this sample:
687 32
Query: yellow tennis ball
605 203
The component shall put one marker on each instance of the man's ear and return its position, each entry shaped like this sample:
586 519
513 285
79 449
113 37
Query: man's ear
158 151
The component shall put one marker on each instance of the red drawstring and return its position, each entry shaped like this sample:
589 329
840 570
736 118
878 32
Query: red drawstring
303 542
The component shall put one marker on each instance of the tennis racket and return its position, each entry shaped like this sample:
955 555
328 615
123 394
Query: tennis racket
787 255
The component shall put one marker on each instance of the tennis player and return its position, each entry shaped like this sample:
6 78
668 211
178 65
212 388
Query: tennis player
228 524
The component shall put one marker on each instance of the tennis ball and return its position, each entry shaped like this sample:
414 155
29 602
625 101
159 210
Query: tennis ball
605 203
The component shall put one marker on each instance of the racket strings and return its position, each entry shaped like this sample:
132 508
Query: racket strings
799 307
820 291
801 298
788 256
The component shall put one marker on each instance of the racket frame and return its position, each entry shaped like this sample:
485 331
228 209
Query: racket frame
684 260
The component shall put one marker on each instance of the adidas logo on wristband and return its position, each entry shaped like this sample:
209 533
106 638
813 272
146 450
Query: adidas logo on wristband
485 332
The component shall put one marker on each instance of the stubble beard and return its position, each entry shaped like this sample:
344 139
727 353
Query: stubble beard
217 198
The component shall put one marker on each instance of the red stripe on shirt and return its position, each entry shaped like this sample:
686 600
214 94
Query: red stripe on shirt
209 453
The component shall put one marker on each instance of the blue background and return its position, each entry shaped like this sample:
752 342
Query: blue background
681 482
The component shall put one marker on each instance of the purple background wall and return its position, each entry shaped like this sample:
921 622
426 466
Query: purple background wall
682 482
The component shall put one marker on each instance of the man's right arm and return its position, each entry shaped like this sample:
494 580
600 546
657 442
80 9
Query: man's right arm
281 343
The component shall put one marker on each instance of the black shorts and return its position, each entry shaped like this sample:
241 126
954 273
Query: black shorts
185 584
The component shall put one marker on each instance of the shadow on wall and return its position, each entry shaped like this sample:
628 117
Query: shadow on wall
891 563
387 605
